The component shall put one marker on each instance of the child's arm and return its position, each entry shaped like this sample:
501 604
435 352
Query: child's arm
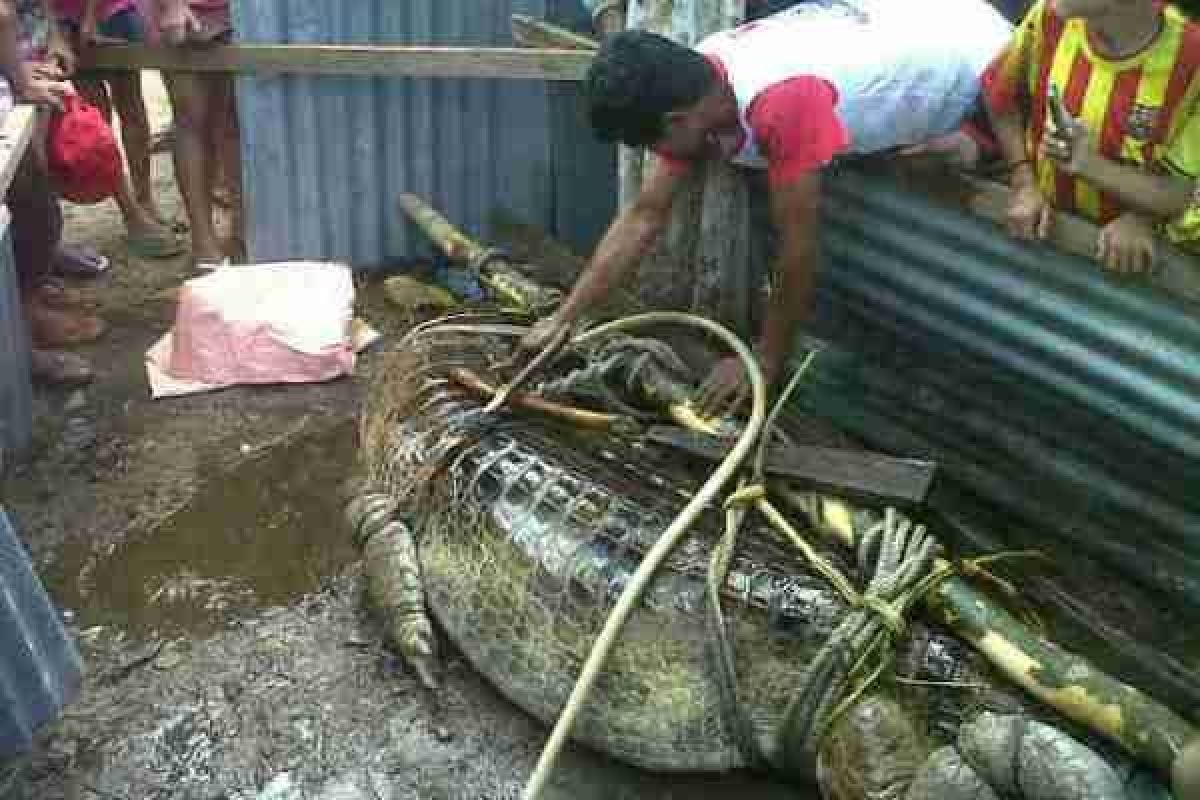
10 47
89 22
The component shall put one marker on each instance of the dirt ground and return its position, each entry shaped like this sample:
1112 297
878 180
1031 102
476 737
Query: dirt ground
196 549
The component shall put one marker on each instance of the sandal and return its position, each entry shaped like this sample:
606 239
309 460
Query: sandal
154 244
78 262
51 327
56 368
55 294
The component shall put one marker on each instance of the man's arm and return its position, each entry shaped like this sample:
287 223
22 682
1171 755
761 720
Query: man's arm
1161 196
627 241
795 207
1029 214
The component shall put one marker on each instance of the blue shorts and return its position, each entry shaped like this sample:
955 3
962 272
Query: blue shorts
125 25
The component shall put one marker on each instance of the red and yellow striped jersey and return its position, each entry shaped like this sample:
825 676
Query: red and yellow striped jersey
1143 110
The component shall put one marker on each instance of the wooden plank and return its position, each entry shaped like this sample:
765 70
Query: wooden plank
854 473
1176 272
530 32
16 132
443 62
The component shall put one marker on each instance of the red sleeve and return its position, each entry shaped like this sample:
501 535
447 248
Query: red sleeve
1008 76
797 127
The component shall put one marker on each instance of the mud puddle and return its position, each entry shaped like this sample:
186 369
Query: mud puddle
260 535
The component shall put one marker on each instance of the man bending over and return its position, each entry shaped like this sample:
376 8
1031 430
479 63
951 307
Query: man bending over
788 93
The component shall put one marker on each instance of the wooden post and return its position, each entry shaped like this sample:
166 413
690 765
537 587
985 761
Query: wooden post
706 261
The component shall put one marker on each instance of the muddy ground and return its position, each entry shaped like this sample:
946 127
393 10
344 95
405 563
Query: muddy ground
196 549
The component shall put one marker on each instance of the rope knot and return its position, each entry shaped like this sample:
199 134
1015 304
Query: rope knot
745 496
891 616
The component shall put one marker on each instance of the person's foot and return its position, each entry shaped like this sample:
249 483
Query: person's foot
208 253
56 368
235 248
52 327
55 294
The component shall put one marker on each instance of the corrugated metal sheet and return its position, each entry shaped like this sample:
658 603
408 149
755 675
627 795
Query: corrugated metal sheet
16 403
40 669
1041 385
326 157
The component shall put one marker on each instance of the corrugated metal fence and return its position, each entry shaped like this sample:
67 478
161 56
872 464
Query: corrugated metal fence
326 157
40 669
1063 397
16 402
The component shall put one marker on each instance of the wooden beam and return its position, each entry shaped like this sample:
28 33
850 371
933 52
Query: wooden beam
528 31
1176 272
16 131
428 62
871 476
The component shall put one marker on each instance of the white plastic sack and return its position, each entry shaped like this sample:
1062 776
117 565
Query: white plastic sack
260 324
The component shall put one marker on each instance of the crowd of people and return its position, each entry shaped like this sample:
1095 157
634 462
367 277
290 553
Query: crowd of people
42 43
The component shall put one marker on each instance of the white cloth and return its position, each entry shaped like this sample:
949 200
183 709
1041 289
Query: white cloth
260 324
904 71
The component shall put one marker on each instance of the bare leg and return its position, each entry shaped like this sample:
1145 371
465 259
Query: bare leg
137 220
126 90
190 102
227 144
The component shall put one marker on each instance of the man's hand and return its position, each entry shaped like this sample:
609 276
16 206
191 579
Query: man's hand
1030 216
725 391
551 333
1126 245
1069 145
60 53
728 387
40 86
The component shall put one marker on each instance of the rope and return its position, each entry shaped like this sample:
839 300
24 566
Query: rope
897 558
674 533
724 657
620 353
737 506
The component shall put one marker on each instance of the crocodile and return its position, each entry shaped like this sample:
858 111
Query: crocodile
527 529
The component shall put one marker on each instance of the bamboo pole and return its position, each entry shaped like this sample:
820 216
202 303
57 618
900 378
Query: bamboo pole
1143 727
580 417
530 32
494 269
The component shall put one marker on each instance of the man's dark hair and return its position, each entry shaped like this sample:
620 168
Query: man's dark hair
636 79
